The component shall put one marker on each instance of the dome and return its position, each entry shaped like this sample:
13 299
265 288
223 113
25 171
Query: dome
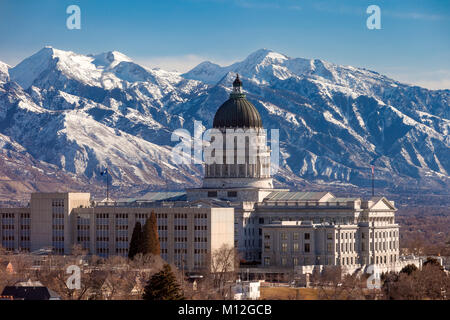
237 112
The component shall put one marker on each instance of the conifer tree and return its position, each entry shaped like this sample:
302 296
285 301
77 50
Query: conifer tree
136 241
163 286
150 243
409 269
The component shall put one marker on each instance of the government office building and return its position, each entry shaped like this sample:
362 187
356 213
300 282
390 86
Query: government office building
187 233
236 205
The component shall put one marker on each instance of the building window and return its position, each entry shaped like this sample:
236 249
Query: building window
283 262
266 261
295 246
284 247
266 236
329 236
295 236
232 194
295 261
212 194
307 248
329 247
283 236
307 237
266 247
363 235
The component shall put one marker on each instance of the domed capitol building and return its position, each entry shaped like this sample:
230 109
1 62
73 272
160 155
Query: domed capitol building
277 230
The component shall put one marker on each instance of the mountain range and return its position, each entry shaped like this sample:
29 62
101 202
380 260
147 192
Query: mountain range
65 116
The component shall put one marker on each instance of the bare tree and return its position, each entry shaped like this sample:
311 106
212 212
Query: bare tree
429 283
333 284
224 263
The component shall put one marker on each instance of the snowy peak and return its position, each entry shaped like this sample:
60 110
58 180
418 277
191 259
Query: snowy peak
267 67
109 59
265 57
47 61
207 72
52 68
30 69
334 120
260 66
4 71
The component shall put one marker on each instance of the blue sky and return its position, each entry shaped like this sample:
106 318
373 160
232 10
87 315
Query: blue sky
413 45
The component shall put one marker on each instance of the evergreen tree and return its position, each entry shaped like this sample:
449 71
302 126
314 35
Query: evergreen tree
409 269
136 241
432 261
150 243
163 286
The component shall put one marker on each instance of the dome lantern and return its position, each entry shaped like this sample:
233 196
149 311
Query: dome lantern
237 111
237 85
237 88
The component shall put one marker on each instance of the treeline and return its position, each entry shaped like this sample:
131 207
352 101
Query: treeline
430 282
424 230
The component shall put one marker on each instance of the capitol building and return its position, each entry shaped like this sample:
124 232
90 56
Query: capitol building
237 205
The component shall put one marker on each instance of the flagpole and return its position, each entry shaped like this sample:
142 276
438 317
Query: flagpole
107 186
373 184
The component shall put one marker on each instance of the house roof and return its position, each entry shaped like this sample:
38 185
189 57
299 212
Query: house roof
296 196
376 200
30 293
210 203
344 199
158 196
4 264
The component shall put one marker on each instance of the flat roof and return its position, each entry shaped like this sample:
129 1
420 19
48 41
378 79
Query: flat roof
295 196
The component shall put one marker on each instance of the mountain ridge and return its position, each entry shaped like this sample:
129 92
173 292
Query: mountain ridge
334 121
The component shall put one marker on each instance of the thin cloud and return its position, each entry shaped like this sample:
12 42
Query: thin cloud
415 15
435 79
338 7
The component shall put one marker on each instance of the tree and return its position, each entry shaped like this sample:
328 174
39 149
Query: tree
410 268
53 274
163 286
433 262
223 264
429 283
150 243
136 241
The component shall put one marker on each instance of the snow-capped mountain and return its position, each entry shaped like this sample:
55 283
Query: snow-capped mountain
79 113
4 72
